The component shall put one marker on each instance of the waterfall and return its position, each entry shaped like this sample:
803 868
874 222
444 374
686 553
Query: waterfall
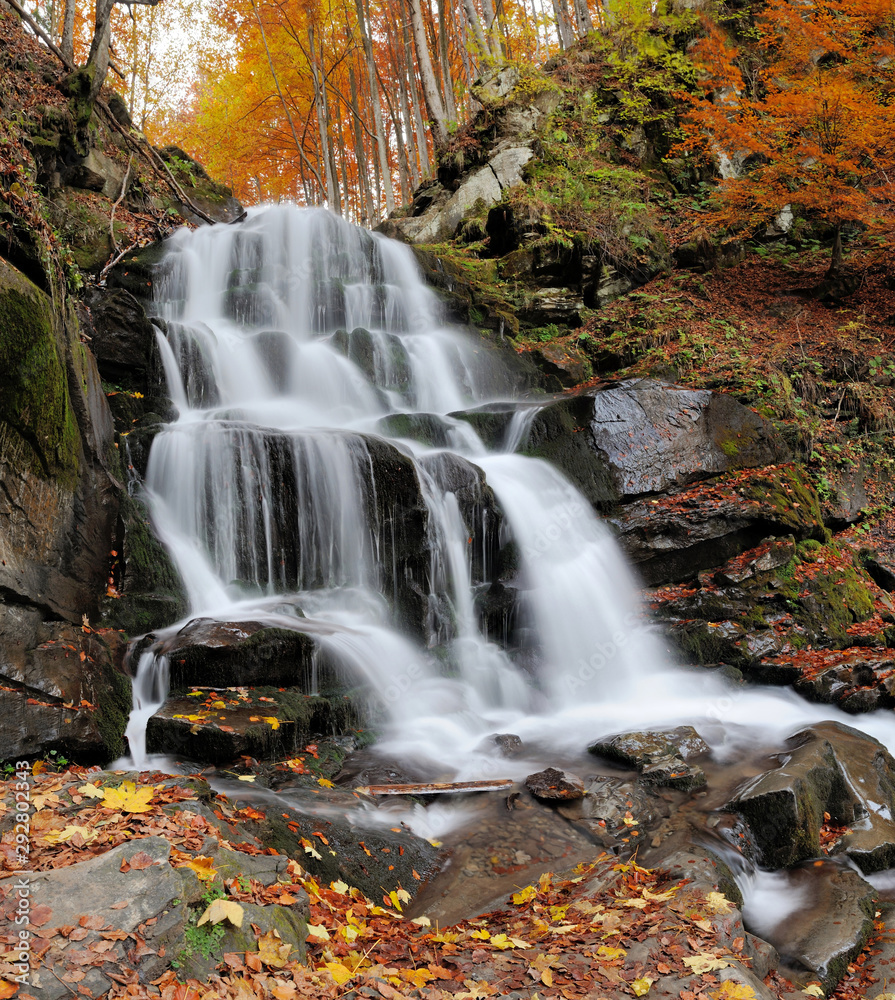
319 462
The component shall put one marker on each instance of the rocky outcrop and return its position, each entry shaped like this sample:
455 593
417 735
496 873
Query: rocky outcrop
662 758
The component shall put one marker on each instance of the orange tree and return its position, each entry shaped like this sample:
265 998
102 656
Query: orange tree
803 98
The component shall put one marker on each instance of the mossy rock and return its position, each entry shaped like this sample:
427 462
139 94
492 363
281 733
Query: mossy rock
42 434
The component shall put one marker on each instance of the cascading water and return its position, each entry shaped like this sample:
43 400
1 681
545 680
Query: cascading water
315 474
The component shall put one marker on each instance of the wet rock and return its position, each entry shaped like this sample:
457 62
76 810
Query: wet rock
97 172
264 723
612 808
880 564
553 784
507 744
213 199
229 654
61 688
376 861
662 757
827 769
122 337
809 941
672 538
562 361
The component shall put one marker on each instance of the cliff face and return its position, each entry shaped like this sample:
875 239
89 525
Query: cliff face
75 192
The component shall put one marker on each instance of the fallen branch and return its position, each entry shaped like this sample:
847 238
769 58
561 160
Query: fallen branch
437 787
127 177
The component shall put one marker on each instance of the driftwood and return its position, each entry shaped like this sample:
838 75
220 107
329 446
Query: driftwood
437 787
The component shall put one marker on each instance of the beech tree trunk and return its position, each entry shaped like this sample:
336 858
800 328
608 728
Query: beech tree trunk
383 167
447 80
422 145
563 23
427 76
68 31
583 18
98 60
475 26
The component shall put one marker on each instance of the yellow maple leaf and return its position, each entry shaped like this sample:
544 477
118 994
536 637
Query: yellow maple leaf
325 782
91 791
271 720
128 798
704 962
640 987
816 990
318 931
610 954
203 867
340 887
737 991
274 951
482 935
422 921
521 897
219 704
339 973
220 910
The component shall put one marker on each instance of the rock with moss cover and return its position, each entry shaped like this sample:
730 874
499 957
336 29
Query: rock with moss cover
213 199
663 757
57 464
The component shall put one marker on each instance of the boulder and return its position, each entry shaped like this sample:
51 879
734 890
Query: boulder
215 200
555 785
662 758
829 774
561 361
123 339
62 687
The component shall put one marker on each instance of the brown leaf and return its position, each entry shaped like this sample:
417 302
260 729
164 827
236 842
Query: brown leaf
40 915
121 905
92 923
142 860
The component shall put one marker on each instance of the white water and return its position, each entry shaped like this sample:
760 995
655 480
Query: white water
267 487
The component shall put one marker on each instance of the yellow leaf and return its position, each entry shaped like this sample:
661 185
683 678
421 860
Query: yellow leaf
340 887
417 977
91 791
705 962
404 895
503 942
717 902
309 848
480 935
273 950
339 973
610 954
318 931
737 991
325 782
271 720
246 777
218 704
641 986
128 798
396 900
446 937
704 925
220 910
638 904
815 990
60 836
203 867
422 921
547 977
524 895
659 897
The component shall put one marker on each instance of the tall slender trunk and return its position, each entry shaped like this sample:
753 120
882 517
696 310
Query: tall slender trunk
332 195
427 75
836 260
447 80
360 153
68 31
563 24
475 26
583 18
422 144
384 171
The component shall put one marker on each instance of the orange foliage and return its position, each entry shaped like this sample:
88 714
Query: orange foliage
804 116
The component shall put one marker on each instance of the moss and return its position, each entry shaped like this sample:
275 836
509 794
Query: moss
34 399
115 702
795 503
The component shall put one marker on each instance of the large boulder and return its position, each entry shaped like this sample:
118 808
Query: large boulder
829 775
663 757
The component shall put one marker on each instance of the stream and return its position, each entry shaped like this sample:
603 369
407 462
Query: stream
324 474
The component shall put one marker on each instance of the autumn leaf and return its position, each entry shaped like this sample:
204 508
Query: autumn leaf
816 990
339 973
203 867
524 895
325 782
717 902
738 991
61 836
504 942
340 887
142 860
128 798
273 950
7 989
91 791
318 931
705 962
220 910
271 720
416 977
641 986
422 921
609 954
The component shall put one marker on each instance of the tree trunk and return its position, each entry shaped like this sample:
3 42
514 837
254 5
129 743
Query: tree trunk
836 260
422 144
98 60
478 32
427 76
563 23
582 16
447 80
68 31
360 154
384 170
332 195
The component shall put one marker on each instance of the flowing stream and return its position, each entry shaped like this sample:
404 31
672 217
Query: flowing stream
317 474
